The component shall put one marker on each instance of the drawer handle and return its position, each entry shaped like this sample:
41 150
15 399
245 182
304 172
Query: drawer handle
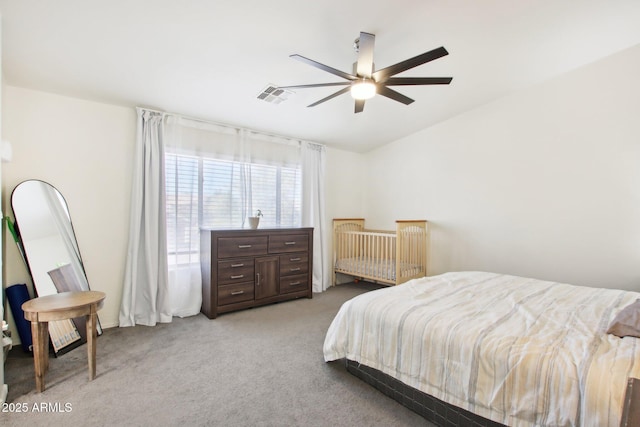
295 269
244 246
289 243
294 259
239 276
237 293
237 265
295 283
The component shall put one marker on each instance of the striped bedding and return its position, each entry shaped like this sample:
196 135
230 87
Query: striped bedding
518 351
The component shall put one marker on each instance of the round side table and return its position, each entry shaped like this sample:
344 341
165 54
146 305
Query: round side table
66 305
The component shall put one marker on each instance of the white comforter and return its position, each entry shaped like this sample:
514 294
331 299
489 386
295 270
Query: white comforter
518 351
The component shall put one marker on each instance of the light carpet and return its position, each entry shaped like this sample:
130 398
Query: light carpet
258 367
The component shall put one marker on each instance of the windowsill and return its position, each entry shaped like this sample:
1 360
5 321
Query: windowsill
252 229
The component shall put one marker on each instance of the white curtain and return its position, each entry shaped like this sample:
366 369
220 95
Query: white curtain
185 279
145 298
313 211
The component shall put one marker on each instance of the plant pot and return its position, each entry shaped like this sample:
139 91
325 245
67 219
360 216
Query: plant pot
254 221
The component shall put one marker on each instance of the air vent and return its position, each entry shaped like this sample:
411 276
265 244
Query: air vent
274 95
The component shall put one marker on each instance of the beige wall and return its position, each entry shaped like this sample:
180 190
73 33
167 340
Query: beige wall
542 183
85 150
345 184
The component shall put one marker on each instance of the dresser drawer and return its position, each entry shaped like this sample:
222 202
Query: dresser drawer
295 263
296 283
288 243
238 270
230 247
229 294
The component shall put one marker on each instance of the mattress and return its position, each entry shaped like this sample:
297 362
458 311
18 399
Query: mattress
375 267
518 351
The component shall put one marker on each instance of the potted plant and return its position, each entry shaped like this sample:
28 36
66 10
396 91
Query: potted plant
255 220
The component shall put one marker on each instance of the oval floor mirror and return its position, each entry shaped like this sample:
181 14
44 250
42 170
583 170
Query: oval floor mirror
51 252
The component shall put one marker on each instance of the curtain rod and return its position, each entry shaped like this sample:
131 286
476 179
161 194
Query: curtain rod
209 122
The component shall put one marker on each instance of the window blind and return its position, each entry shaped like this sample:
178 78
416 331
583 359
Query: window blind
213 193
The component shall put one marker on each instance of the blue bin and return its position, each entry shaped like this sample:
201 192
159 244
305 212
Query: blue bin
18 295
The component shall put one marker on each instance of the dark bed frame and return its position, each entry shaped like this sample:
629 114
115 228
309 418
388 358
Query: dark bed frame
432 409
447 415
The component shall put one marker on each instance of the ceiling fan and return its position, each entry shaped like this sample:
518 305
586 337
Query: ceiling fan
364 82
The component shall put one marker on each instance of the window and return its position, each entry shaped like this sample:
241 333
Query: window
212 193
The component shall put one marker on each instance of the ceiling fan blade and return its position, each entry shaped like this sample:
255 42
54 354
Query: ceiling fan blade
396 96
364 66
333 95
324 67
410 81
385 73
315 85
359 105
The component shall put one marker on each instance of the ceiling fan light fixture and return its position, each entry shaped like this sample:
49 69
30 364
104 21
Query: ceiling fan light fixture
363 89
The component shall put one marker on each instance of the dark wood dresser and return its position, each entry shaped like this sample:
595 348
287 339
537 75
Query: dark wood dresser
248 268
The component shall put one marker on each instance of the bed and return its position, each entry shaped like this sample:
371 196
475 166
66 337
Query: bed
491 349
388 257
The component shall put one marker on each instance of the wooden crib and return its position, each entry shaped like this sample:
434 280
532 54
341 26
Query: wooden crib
390 257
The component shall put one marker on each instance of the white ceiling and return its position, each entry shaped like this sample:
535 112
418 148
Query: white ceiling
210 59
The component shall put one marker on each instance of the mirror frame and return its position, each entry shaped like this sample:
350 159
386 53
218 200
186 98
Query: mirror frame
57 247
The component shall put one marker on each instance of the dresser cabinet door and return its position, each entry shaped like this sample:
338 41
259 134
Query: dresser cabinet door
267 277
